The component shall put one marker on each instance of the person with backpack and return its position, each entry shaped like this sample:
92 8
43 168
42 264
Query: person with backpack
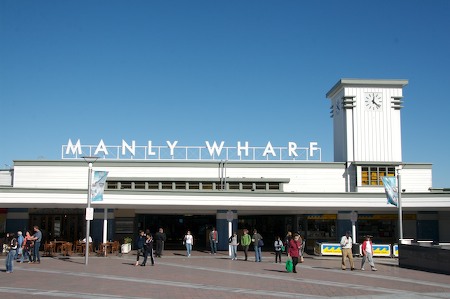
11 247
278 244
257 245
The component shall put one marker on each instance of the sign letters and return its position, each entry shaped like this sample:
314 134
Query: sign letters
209 151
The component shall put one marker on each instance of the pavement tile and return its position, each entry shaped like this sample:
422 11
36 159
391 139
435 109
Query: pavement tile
215 276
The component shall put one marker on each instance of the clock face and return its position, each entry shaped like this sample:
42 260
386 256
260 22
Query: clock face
373 101
338 106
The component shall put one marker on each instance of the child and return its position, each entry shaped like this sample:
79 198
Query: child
278 248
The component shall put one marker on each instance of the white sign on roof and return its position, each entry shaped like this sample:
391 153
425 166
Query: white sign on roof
242 151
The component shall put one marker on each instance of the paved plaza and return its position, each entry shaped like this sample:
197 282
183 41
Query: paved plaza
214 276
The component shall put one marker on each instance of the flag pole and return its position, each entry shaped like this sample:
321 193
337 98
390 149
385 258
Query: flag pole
400 213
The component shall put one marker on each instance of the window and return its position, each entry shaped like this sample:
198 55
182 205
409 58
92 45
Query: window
371 175
247 186
112 185
153 185
125 185
166 185
139 185
194 185
260 186
274 186
207 186
234 186
180 185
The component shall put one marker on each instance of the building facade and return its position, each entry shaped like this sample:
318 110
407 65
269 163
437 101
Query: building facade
318 199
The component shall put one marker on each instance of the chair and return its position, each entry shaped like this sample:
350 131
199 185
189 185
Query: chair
83 246
102 249
49 249
67 248
79 246
115 247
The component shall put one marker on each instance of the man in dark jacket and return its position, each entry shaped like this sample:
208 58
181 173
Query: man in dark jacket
140 246
160 238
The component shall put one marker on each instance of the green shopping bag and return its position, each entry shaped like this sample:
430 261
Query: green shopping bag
289 265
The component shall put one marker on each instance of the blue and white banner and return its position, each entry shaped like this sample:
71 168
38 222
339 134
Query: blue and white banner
390 185
98 185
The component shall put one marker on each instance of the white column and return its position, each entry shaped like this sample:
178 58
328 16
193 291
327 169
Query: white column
105 225
230 233
230 217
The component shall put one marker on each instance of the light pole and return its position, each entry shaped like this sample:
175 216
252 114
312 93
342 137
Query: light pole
89 211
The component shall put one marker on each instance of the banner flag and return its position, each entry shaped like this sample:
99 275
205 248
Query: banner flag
98 185
390 186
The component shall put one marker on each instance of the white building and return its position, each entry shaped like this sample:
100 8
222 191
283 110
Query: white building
273 196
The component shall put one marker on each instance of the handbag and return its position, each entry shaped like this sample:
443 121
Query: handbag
289 265
260 243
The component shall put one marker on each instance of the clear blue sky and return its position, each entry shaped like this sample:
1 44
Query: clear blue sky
193 71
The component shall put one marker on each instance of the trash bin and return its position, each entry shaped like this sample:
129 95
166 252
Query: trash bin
355 249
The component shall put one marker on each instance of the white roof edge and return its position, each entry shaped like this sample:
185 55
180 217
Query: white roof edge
366 82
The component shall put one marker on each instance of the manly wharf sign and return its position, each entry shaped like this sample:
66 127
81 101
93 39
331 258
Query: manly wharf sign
242 151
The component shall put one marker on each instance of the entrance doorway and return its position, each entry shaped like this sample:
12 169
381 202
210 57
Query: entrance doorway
58 224
176 226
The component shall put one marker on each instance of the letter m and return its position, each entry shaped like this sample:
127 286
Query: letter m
73 149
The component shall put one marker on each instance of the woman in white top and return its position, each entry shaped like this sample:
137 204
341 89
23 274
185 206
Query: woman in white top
189 242
367 251
233 240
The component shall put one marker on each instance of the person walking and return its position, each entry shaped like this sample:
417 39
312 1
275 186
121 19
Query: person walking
346 248
278 244
302 251
287 240
213 240
37 238
367 252
233 240
257 245
148 249
140 241
189 242
246 240
160 238
295 245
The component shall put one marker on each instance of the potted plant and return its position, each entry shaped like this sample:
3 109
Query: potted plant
126 246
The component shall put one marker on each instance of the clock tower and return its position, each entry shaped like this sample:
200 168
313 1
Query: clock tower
366 120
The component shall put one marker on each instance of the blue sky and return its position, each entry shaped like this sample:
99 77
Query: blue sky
193 71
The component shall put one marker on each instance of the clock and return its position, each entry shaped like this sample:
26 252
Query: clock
338 106
373 101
